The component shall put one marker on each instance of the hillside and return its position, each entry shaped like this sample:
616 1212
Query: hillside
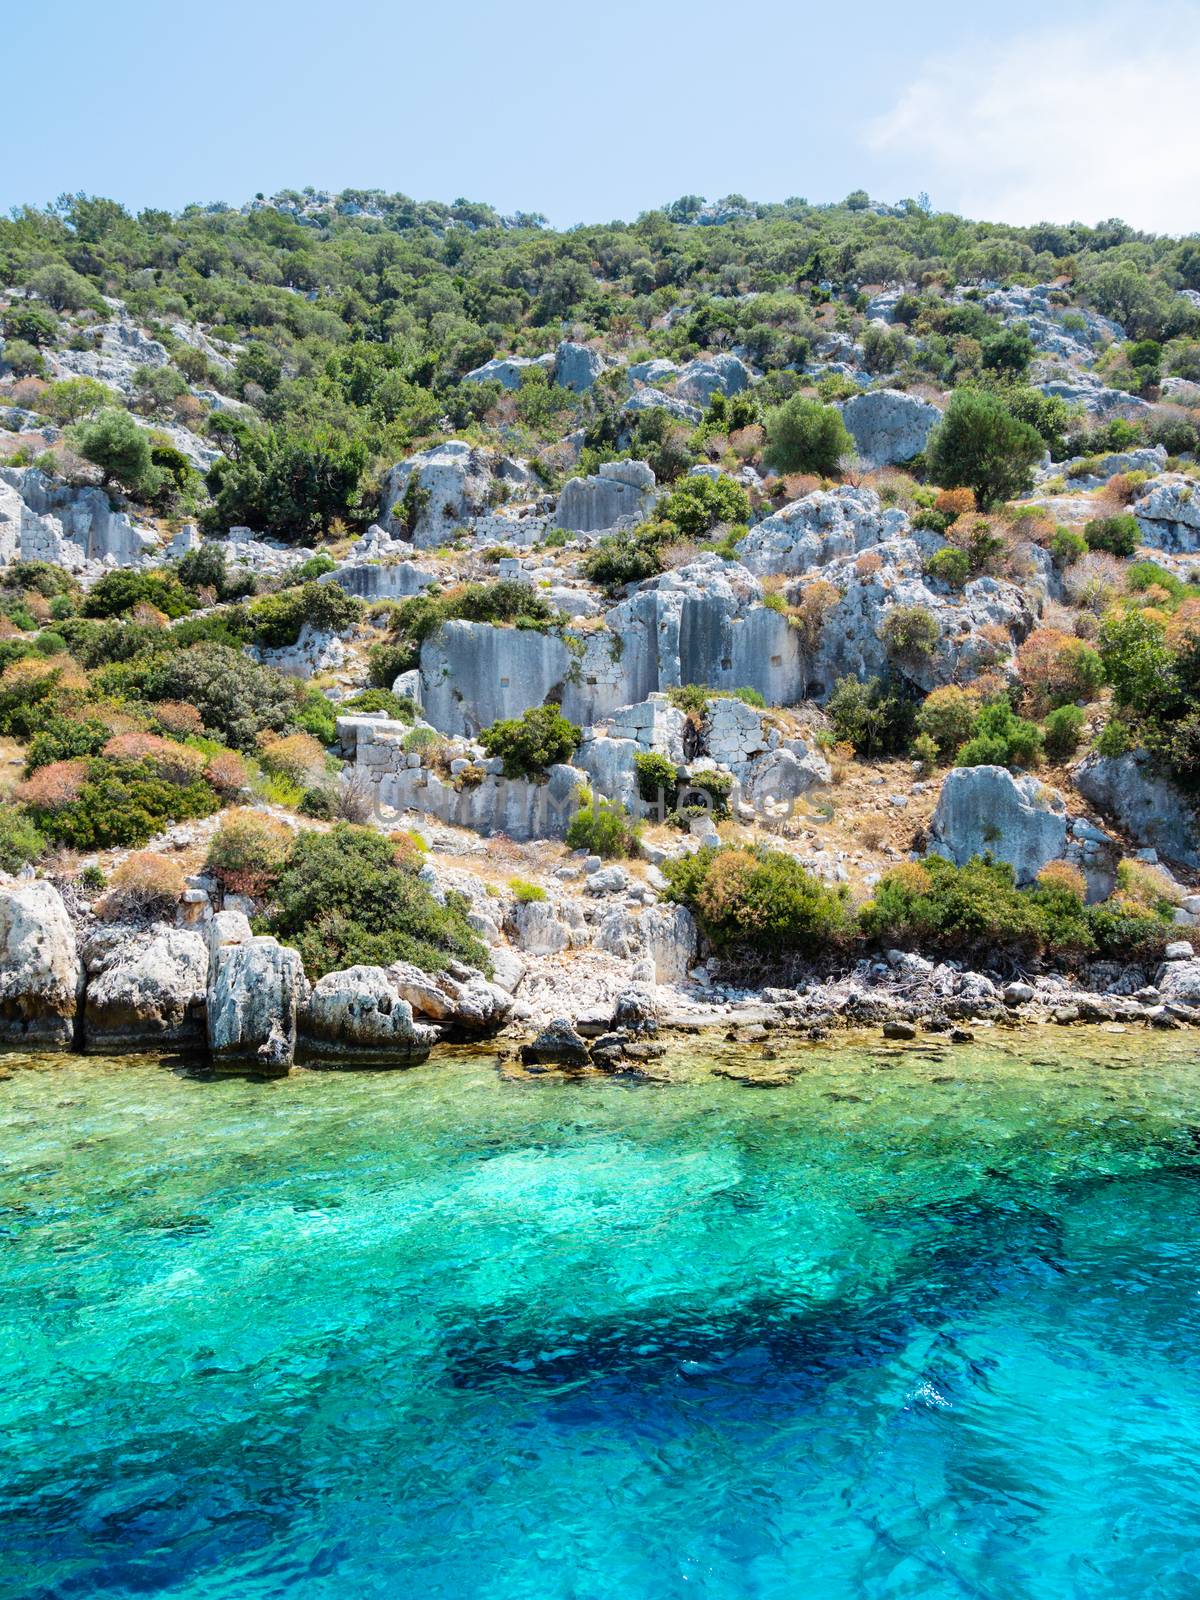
704 603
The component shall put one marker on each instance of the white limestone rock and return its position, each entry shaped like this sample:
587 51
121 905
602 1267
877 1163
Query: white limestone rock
256 988
358 1017
984 810
889 426
146 989
40 971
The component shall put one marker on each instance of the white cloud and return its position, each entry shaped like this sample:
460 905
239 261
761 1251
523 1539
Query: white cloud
1063 123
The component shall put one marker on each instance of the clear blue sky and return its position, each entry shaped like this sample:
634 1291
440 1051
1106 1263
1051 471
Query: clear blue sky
591 112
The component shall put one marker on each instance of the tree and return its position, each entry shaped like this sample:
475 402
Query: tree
1009 351
980 445
113 442
291 483
805 436
25 319
63 289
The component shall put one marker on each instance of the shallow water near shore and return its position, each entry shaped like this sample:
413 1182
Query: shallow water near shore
923 1322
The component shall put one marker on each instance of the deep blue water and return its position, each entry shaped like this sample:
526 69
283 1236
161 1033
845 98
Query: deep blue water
924 1323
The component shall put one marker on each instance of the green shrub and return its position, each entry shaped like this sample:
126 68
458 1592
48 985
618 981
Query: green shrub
290 481
657 776
400 707
277 619
876 717
525 893
315 713
1142 575
539 738
602 829
911 633
344 897
122 803
950 565
237 698
1119 535
621 558
697 504
20 839
116 594
112 441
1062 731
1067 546
763 900
973 911
805 436
947 717
63 738
980 445
1001 739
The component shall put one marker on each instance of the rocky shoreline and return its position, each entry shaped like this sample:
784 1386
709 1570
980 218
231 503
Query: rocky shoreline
242 1000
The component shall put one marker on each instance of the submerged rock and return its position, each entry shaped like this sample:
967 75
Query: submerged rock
40 973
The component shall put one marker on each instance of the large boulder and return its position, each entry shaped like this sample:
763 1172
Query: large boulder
40 973
358 1017
1142 802
577 366
1168 515
1179 981
543 927
68 526
671 940
820 527
709 375
508 371
986 810
889 426
256 987
146 989
454 482
977 629
705 623
657 400
460 1001
621 490
773 781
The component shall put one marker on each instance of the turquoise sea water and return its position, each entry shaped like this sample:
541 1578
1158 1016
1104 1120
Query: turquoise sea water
922 1323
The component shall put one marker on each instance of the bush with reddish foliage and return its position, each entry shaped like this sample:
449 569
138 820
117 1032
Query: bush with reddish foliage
226 771
176 763
1056 668
54 786
247 852
177 717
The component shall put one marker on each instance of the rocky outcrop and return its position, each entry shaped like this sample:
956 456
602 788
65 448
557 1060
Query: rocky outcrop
256 987
775 780
557 1044
671 940
704 623
708 375
986 810
314 651
146 989
621 491
657 400
577 366
821 527
40 973
544 927
358 1017
452 483
889 426
75 528
977 629
476 673
1168 515
1146 805
508 371
461 1002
